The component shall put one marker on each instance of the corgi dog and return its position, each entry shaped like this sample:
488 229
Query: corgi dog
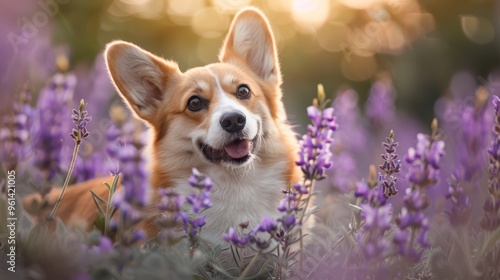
226 119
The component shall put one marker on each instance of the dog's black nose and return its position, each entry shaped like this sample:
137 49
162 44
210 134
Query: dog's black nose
233 122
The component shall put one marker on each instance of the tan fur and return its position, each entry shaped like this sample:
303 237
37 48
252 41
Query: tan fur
157 92
77 210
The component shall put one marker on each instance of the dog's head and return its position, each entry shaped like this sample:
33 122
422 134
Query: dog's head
217 114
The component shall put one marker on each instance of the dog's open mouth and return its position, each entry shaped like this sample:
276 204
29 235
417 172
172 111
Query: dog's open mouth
237 151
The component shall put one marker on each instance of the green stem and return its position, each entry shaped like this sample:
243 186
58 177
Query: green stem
109 206
66 181
301 242
242 259
249 266
279 264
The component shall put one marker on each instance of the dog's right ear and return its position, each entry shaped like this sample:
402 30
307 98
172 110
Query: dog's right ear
139 76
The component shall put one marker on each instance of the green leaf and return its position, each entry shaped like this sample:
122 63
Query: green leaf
355 207
203 273
113 211
95 197
236 255
115 183
98 197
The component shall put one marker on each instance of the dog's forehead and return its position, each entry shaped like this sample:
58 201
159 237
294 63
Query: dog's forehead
214 78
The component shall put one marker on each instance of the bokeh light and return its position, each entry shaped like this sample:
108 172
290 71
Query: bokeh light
208 23
310 14
181 11
479 30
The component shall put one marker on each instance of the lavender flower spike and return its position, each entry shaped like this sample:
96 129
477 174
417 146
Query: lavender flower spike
50 125
371 237
424 160
80 119
16 130
199 201
412 223
234 238
491 218
124 147
475 123
380 104
314 153
390 166
461 209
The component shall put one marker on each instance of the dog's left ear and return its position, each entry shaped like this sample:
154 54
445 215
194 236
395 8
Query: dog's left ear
251 41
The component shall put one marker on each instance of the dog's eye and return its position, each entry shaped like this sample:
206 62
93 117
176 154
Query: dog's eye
243 92
194 103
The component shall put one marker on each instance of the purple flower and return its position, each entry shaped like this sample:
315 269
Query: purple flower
362 190
301 189
379 107
51 124
314 153
461 209
136 236
174 203
412 219
255 237
88 166
350 142
80 118
424 167
125 147
199 222
391 165
424 160
169 201
474 123
290 203
373 196
372 242
15 132
105 245
377 217
289 221
100 245
200 181
266 225
202 200
400 240
233 237
491 218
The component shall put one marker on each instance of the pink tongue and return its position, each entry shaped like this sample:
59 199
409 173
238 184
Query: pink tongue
238 149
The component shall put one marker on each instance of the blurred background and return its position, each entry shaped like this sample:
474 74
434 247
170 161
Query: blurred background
419 45
388 61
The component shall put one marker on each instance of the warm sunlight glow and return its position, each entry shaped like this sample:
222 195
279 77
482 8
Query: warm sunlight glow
333 36
231 5
181 11
310 13
150 9
209 23
359 4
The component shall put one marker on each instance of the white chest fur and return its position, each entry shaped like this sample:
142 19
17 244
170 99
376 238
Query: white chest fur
239 196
